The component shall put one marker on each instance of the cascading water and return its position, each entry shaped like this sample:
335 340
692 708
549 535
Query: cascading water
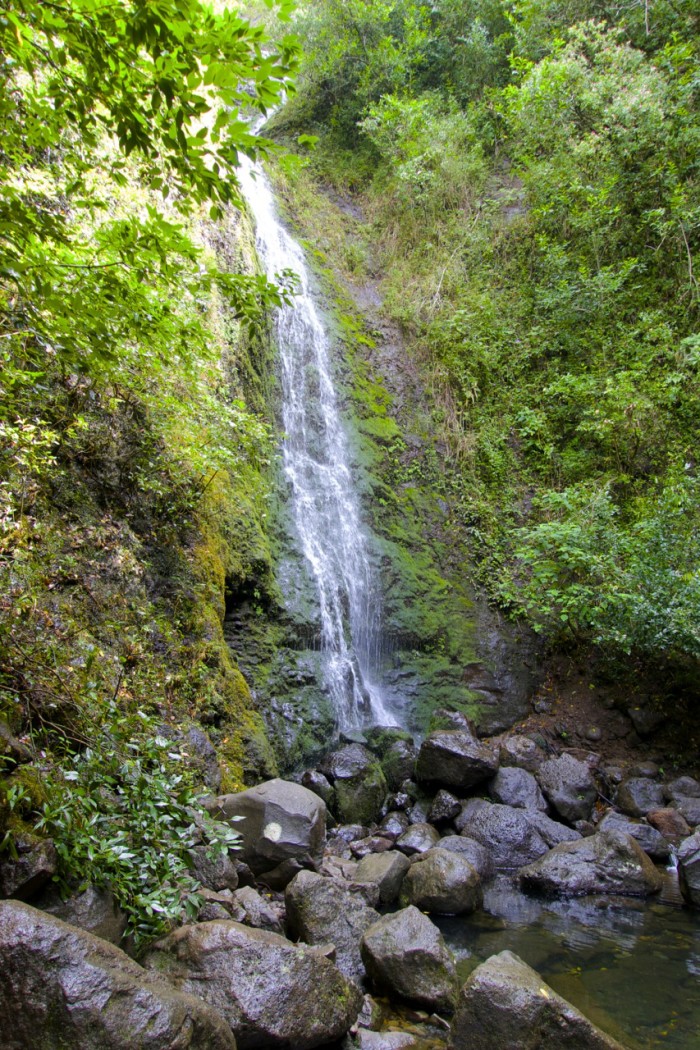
316 464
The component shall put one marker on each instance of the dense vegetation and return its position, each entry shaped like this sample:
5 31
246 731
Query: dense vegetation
529 176
130 319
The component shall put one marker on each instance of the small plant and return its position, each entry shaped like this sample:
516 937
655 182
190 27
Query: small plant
123 813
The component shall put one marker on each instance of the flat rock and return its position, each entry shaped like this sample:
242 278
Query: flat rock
272 993
442 882
505 1005
569 786
321 910
283 827
608 862
455 758
386 871
64 987
405 955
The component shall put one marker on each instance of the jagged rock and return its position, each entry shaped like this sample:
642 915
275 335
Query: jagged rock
418 839
608 862
520 751
358 782
23 876
443 808
214 873
637 795
319 784
689 869
510 834
405 955
94 910
63 987
478 855
517 787
442 882
651 840
569 786
505 1005
455 758
394 823
320 910
272 993
672 825
252 909
283 828
398 762
386 871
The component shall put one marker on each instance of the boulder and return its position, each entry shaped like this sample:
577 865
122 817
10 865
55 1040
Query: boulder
321 910
516 787
399 762
455 758
405 955
689 869
394 823
442 882
319 784
608 862
283 827
94 910
386 1040
252 909
444 808
272 993
689 808
214 873
651 840
24 875
417 839
637 795
510 834
505 1005
682 787
552 831
520 751
64 987
478 855
358 782
672 825
386 871
378 843
569 786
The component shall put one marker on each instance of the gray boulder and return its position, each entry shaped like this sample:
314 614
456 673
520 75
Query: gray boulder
478 855
651 840
442 882
689 869
444 808
283 827
608 862
271 992
94 910
521 751
405 955
637 795
689 808
517 787
394 823
682 787
63 987
417 839
321 910
386 871
569 786
510 834
214 873
455 758
551 830
505 1005
358 781
319 784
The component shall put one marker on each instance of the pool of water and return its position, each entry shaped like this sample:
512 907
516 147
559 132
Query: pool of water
632 967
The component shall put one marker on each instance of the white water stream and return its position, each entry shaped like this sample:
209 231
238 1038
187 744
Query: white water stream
316 464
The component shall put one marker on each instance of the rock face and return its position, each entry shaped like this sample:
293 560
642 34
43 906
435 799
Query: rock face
689 869
283 828
63 987
321 910
510 834
405 955
271 992
507 1006
455 758
386 871
517 787
442 882
608 862
569 786
358 782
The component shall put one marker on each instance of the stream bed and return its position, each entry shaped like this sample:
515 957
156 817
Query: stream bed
631 966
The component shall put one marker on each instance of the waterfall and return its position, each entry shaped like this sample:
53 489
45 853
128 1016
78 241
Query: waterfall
316 464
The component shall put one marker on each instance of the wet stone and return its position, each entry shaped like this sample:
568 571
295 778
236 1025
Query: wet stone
418 839
444 808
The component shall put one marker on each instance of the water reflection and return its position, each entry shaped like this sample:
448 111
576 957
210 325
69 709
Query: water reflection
632 967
